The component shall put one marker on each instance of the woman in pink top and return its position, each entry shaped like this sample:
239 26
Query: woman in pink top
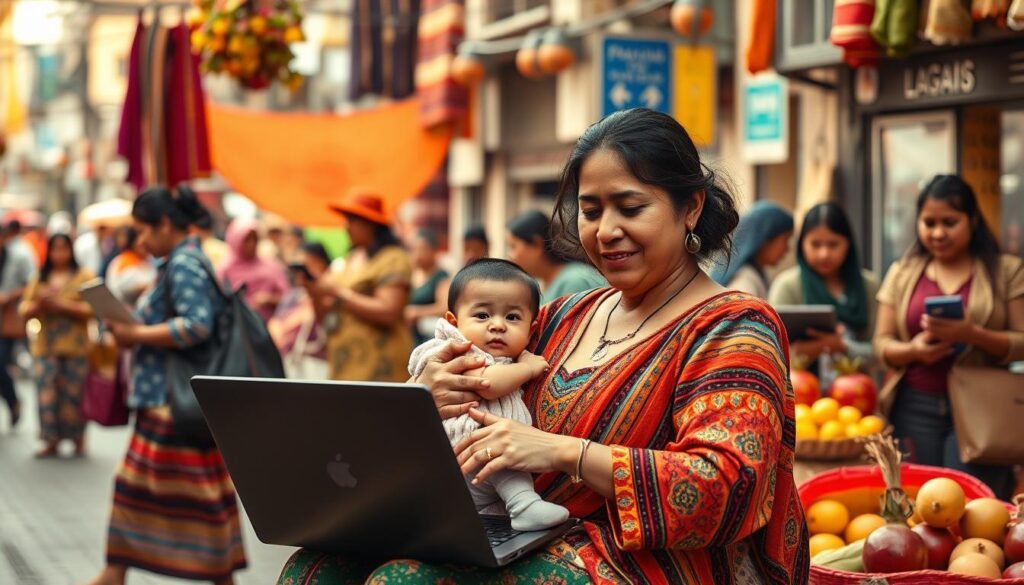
956 253
264 279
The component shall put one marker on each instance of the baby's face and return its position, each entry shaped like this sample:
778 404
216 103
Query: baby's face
496 316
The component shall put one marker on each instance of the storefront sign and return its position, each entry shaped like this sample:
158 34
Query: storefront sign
636 72
695 91
765 119
962 76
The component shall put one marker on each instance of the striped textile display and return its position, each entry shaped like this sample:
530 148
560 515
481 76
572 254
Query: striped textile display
175 511
442 100
851 31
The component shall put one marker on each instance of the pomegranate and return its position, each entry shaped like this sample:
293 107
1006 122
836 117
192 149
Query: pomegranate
940 502
981 546
1014 571
854 388
976 565
806 388
985 518
1013 544
940 544
893 548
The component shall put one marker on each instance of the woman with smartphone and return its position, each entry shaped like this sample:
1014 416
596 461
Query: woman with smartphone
955 254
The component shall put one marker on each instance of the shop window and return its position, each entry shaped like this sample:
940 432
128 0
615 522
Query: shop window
803 35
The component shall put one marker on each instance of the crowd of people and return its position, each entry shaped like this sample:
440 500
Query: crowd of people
651 392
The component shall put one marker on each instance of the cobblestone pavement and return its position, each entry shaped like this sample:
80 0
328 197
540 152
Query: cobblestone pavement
53 513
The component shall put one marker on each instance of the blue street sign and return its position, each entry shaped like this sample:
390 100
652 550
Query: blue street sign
636 73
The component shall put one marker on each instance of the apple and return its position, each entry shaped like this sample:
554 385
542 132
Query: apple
857 390
806 388
340 473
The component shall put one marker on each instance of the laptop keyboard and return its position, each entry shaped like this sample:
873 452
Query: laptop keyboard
499 530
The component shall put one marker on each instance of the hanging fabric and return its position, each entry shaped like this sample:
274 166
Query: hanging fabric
129 135
851 31
994 9
762 36
1015 15
895 26
947 23
442 99
187 143
383 46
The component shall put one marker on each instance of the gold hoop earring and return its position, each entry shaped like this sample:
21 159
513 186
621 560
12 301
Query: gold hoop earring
693 243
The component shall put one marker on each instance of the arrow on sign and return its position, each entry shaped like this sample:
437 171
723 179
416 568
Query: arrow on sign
652 97
620 95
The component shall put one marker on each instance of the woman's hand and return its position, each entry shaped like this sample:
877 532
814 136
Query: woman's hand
948 330
125 334
928 349
454 393
502 444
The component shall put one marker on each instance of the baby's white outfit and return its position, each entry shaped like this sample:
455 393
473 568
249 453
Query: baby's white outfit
527 510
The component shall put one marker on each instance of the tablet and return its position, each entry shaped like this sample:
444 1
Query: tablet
104 303
799 318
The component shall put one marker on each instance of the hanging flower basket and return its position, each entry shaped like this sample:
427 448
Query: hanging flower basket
248 39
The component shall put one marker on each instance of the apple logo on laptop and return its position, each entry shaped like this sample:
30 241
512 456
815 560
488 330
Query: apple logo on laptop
339 472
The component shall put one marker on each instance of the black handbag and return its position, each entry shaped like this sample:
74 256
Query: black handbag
240 346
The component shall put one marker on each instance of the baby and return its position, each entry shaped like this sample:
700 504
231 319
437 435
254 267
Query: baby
493 304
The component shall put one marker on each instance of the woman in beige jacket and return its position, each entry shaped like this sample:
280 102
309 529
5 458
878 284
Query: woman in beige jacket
955 254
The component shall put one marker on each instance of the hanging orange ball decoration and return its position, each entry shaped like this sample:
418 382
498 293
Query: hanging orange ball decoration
555 55
683 15
527 63
468 71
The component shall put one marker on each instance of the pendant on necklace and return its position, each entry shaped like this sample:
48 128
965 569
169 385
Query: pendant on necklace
601 351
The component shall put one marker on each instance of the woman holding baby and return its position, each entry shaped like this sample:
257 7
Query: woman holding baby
665 420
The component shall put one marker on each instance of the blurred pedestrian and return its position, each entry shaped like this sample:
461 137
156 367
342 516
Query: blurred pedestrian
175 511
132 272
531 247
761 241
264 279
829 272
294 326
955 253
475 244
17 270
93 245
361 308
215 249
61 348
429 298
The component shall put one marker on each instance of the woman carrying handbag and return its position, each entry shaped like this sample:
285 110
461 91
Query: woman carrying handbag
955 254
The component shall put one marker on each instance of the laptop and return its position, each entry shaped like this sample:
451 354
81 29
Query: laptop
360 469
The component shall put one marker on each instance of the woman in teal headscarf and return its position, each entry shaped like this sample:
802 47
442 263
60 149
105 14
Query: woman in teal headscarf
761 241
828 272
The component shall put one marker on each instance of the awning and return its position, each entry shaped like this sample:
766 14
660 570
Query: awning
297 164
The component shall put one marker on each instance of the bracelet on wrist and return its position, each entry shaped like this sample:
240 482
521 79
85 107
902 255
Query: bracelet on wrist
578 476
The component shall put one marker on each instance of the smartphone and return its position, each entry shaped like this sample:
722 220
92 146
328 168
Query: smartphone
301 268
945 307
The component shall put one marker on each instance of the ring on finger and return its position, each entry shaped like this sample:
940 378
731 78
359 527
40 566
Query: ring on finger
488 453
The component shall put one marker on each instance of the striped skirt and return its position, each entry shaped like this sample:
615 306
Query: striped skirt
175 512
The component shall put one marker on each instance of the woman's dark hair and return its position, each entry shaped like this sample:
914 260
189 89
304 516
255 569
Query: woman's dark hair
955 192
534 227
44 272
317 250
658 151
130 237
204 221
478 233
180 206
832 216
382 238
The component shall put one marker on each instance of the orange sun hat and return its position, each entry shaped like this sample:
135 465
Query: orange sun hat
366 204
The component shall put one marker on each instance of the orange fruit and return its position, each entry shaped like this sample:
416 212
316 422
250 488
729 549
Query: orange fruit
823 542
806 429
853 430
848 415
802 413
871 425
824 410
863 525
832 430
940 502
827 517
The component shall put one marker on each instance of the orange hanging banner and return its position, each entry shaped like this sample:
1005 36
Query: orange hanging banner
298 164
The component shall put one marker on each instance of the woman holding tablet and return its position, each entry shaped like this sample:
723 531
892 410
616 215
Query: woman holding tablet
828 272
955 254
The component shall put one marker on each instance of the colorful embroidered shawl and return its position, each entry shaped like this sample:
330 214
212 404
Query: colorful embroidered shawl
700 417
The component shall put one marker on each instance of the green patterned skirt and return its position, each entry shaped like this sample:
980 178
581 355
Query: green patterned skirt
558 564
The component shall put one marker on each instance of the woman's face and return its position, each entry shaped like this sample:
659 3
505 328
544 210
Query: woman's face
424 256
473 250
156 240
824 250
630 230
944 231
249 246
774 250
360 231
527 255
60 253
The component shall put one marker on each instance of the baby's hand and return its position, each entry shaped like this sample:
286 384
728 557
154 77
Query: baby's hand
538 365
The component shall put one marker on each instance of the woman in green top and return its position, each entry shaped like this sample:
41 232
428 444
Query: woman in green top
530 246
828 272
428 300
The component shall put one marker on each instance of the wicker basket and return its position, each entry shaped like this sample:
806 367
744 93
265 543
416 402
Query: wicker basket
838 450
859 489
